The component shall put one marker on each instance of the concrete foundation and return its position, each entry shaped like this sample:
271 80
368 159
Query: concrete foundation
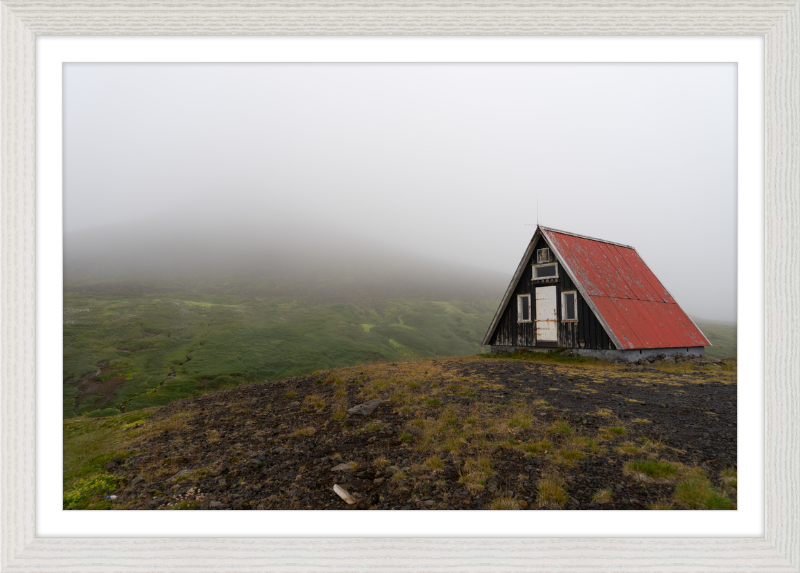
626 355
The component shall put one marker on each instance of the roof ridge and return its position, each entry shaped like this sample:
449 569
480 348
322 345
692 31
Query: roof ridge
585 237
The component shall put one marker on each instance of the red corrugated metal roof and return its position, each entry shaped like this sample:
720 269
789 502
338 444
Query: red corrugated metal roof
630 299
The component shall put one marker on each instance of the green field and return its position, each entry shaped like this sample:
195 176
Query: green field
152 349
155 349
721 334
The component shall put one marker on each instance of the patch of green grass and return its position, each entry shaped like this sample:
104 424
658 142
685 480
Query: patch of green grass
560 428
536 447
90 492
652 470
90 443
698 493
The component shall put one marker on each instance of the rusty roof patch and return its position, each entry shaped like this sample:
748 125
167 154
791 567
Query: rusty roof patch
632 302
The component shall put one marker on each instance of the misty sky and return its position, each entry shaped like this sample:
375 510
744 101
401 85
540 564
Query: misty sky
444 160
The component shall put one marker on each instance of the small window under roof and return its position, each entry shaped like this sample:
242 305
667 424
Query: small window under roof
546 271
543 256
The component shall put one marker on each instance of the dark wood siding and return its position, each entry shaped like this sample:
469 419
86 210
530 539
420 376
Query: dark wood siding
586 333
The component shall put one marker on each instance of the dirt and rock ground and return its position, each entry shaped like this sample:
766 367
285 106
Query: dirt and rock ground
525 432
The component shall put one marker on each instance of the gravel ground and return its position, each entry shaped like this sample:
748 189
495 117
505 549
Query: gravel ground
285 444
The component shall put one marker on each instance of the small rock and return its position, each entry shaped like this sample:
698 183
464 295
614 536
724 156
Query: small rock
392 470
662 405
365 409
342 468
523 504
378 481
429 503
215 505
136 481
341 492
118 459
110 466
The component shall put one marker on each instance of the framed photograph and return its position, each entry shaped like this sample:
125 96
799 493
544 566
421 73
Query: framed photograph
137 252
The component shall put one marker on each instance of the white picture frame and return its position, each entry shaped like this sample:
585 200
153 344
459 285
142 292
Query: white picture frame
778 21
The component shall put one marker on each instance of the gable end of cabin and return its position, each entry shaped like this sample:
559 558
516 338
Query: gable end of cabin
546 310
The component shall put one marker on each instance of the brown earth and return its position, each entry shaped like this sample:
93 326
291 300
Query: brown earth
99 384
467 433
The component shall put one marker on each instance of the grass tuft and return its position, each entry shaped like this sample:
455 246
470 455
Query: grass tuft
434 463
536 447
648 471
550 492
602 496
504 503
560 428
475 473
301 432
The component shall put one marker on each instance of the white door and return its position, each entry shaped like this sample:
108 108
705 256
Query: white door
546 319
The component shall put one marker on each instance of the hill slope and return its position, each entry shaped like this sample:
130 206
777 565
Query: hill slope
127 353
469 433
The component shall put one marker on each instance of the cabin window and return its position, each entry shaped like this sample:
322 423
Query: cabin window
543 256
548 271
523 308
569 306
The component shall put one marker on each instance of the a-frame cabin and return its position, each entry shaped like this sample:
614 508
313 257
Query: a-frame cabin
593 296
